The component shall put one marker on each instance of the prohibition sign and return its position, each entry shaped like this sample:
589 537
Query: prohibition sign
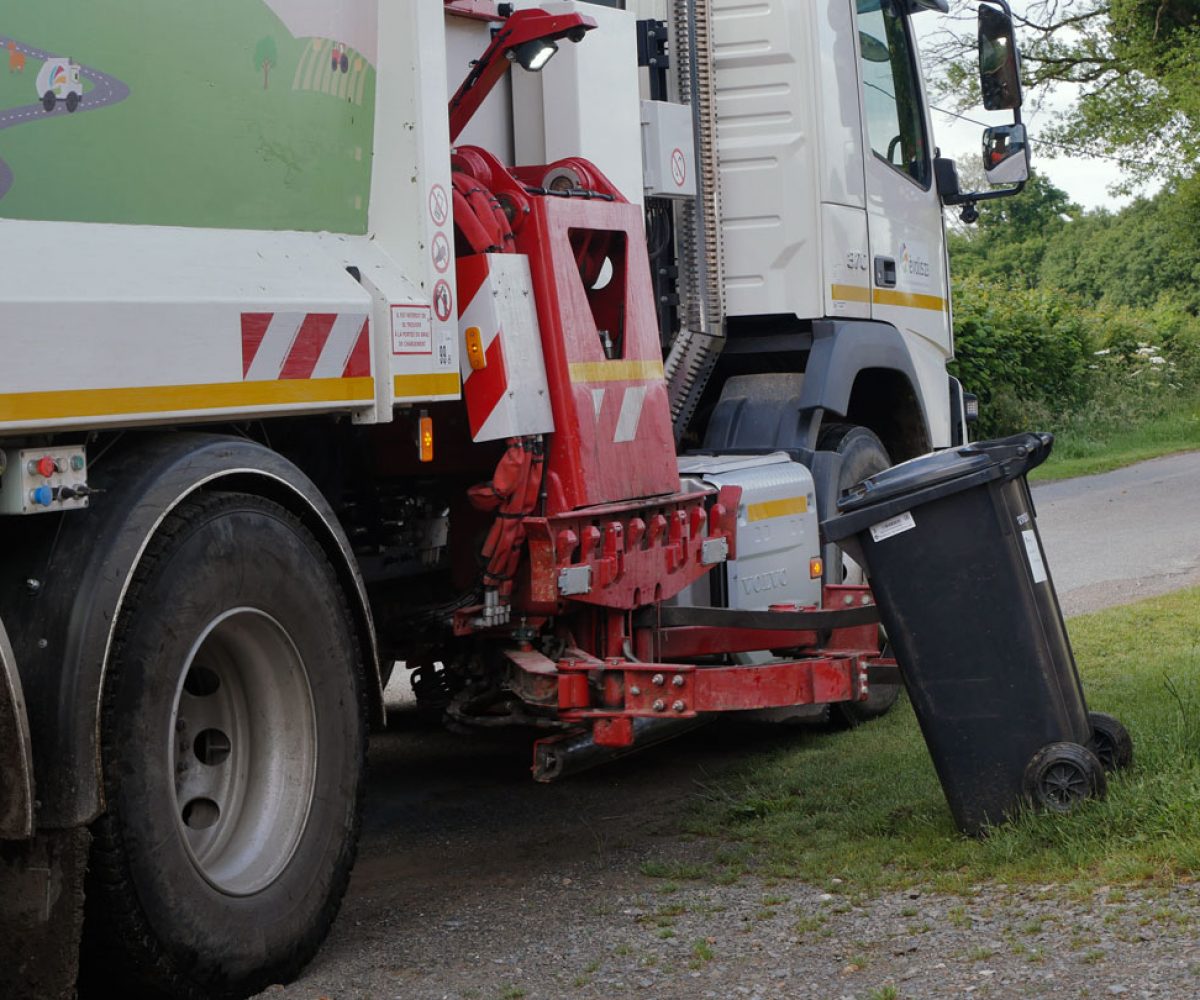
439 249
439 205
678 167
443 300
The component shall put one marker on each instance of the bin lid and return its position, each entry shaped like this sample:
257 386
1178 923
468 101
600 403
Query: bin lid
1005 458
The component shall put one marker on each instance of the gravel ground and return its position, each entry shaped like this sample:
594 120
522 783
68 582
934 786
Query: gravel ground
474 883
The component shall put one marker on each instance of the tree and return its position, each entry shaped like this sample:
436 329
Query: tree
1131 64
266 55
1009 242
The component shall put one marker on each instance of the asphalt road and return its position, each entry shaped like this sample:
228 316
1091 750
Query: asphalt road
1124 535
106 91
472 878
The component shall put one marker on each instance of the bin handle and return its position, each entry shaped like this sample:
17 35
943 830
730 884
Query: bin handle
1032 447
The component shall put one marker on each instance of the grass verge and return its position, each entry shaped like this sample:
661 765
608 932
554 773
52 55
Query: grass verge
1086 447
865 806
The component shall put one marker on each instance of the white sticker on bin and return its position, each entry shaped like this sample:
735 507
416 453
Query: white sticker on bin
1034 554
892 526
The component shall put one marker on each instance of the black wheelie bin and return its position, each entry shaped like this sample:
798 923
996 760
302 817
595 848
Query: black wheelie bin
950 544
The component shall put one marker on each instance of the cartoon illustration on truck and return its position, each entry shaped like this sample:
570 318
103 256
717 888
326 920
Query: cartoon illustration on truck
59 80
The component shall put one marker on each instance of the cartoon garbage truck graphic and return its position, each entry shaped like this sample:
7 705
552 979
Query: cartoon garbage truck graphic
59 80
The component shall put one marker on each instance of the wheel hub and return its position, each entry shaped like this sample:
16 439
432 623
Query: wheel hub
243 751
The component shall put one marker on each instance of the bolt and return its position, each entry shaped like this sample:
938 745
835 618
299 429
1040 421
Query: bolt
32 585
678 706
635 690
847 600
866 599
180 767
677 680
43 643
180 725
659 705
658 680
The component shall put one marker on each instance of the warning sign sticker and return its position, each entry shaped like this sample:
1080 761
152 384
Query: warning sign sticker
893 526
412 330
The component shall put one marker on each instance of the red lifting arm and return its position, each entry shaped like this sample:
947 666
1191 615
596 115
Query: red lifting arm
522 28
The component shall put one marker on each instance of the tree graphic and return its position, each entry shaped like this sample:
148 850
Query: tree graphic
266 55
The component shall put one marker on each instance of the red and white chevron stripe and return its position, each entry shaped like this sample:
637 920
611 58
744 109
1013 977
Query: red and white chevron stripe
296 345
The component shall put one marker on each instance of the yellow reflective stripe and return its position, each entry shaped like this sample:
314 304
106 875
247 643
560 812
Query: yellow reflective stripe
887 297
850 293
615 371
890 297
61 404
776 508
422 386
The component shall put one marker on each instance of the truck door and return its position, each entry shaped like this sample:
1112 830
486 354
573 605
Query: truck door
909 280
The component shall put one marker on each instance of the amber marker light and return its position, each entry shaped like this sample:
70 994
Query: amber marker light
475 355
425 437
816 569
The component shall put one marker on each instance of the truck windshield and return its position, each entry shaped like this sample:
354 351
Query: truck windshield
891 91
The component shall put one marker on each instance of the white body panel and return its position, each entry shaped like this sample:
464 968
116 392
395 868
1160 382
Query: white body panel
150 327
767 79
502 310
777 530
586 101
668 150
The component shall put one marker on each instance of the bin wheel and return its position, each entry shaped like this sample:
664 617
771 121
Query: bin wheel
1110 741
863 455
1061 775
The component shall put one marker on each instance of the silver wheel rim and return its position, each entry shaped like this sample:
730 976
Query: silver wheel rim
243 750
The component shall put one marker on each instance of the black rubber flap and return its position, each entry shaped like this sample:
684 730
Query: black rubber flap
931 477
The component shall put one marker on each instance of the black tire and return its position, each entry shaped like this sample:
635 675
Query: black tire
863 455
49 101
1111 742
344 63
72 101
163 919
1062 775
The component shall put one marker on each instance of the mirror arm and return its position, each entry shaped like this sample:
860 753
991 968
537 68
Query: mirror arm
969 202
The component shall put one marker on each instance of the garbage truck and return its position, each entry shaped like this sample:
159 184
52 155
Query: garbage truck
524 353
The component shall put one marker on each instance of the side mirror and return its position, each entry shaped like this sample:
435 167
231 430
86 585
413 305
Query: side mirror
999 62
1005 154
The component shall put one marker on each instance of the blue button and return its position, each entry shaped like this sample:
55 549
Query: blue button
43 495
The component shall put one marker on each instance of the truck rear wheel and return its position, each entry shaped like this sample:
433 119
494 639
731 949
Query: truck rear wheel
233 743
863 455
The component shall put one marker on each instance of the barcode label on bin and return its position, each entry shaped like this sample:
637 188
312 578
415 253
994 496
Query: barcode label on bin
1034 554
892 526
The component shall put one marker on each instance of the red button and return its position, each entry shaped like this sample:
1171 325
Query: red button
46 467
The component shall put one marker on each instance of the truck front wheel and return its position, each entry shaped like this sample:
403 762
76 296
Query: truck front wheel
233 743
863 455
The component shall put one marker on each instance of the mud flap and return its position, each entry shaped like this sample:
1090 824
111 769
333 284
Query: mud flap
41 914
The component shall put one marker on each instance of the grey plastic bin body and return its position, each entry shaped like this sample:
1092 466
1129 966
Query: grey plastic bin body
956 564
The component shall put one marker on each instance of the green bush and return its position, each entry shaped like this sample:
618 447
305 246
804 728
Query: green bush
1040 360
1024 352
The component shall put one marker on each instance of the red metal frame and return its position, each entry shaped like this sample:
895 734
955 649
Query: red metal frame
608 693
638 552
